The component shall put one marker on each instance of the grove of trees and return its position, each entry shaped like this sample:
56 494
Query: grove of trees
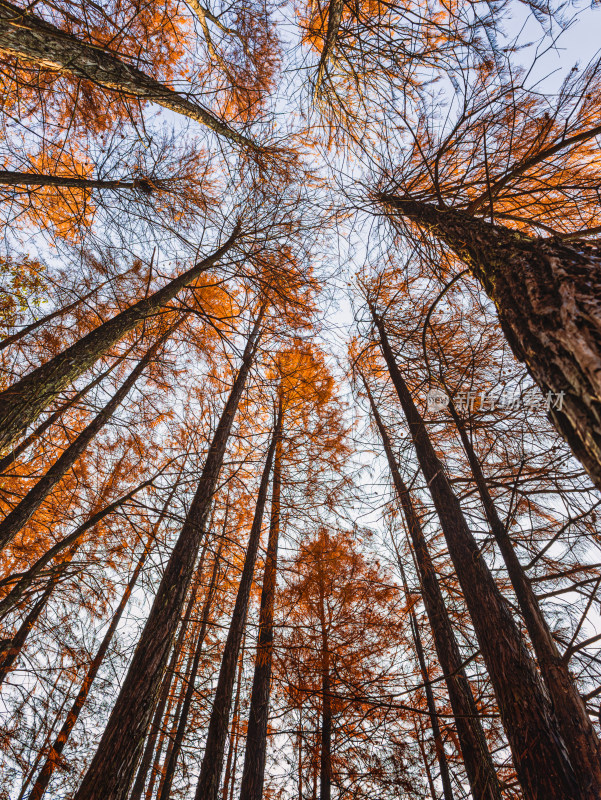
300 400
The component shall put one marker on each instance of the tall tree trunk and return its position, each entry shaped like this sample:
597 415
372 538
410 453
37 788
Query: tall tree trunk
171 762
61 740
31 38
539 754
229 779
138 787
12 649
25 579
22 513
325 759
570 711
112 768
547 296
212 762
8 178
478 763
441 757
23 402
256 738
11 457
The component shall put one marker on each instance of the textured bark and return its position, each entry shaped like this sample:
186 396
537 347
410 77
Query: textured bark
229 779
25 580
256 739
22 513
212 762
547 294
11 457
335 9
171 761
23 402
325 756
138 787
478 763
111 770
441 757
539 753
65 182
27 36
576 727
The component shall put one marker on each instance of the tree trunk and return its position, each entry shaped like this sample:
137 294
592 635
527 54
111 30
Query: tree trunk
12 649
67 182
256 739
325 760
138 787
229 779
26 36
23 402
212 762
24 580
539 754
111 770
441 757
171 763
478 763
547 296
61 740
570 711
22 513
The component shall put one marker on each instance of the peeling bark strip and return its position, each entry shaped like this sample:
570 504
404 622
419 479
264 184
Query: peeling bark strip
22 513
212 762
548 297
113 766
570 711
29 37
478 763
253 774
539 753
23 402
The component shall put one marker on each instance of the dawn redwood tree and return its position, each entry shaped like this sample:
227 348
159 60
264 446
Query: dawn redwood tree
212 763
18 517
508 185
33 39
539 753
112 768
474 750
24 401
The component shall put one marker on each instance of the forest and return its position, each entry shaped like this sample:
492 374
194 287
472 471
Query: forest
300 400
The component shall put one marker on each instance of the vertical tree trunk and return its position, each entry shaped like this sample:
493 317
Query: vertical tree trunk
111 770
61 740
171 763
22 513
25 35
325 760
229 779
26 578
539 754
547 296
441 757
478 763
256 739
570 711
212 762
23 402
